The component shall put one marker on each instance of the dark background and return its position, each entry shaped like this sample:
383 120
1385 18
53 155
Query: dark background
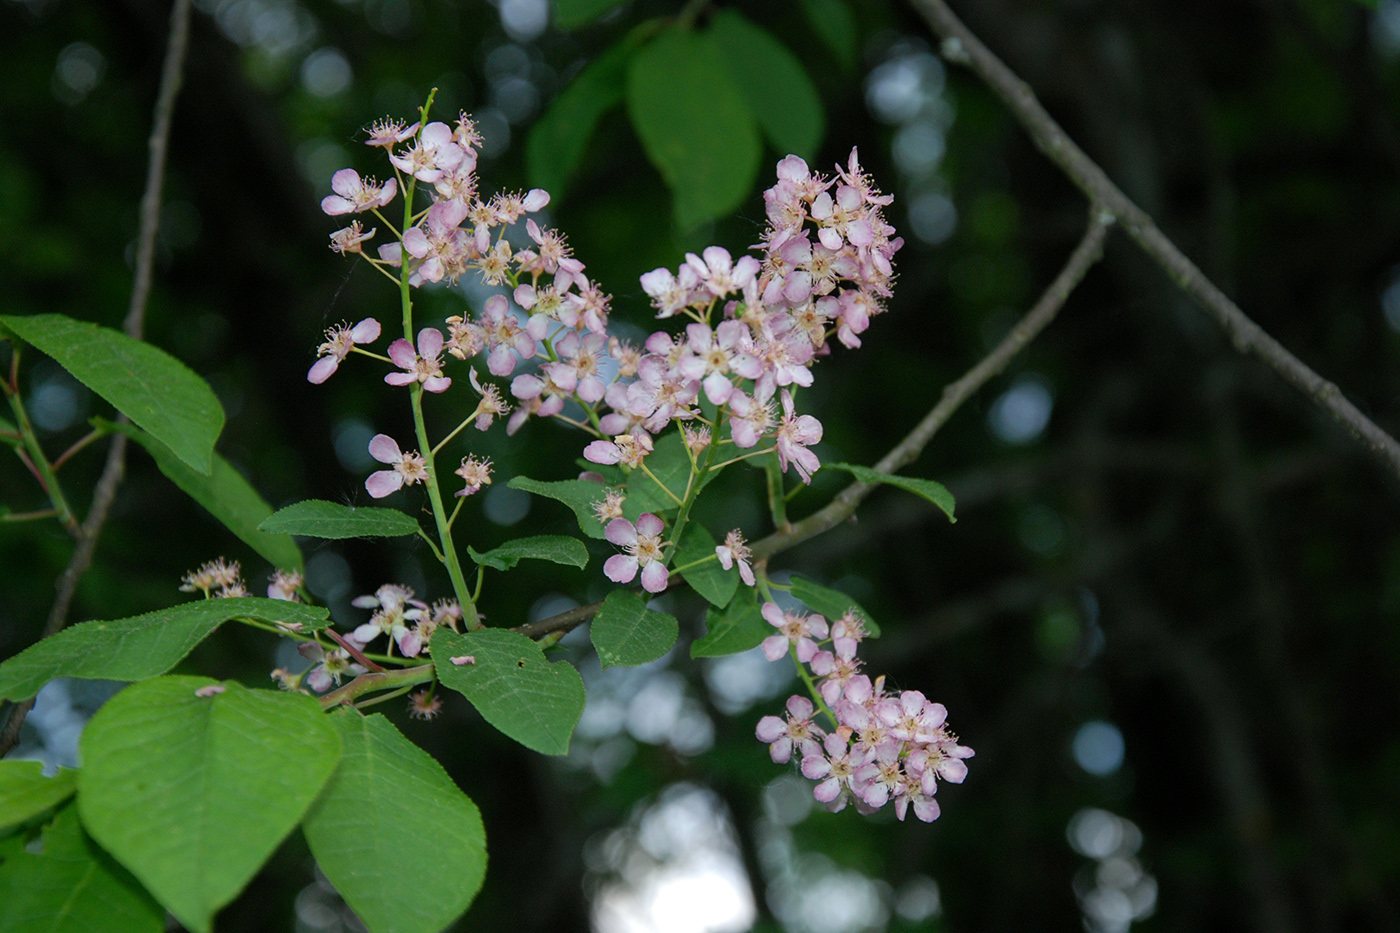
1188 552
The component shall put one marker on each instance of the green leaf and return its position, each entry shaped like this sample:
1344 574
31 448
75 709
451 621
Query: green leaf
780 94
578 494
694 123
72 886
710 580
513 686
556 548
834 22
141 646
569 14
934 492
830 603
317 518
228 496
146 384
627 633
559 138
192 794
670 463
739 627
25 792
388 804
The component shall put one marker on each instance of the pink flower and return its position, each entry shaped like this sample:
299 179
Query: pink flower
353 194
628 449
348 239
642 546
794 629
433 154
798 730
795 433
395 608
407 468
718 272
327 666
476 473
733 551
389 133
284 585
340 340
424 366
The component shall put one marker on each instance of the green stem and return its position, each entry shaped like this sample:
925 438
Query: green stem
692 491
377 680
812 687
41 463
777 504
449 550
664 488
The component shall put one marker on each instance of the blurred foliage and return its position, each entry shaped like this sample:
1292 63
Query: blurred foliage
1185 549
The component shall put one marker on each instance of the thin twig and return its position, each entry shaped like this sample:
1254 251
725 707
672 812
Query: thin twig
960 45
1087 253
106 489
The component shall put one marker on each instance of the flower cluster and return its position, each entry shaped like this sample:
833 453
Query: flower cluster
216 579
879 746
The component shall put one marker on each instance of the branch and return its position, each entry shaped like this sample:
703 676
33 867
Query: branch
960 45
377 680
112 471
1087 253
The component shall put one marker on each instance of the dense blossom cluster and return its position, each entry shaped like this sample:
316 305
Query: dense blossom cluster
755 326
879 746
757 323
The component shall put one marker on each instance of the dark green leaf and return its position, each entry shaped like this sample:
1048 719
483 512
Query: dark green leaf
388 804
779 92
836 24
830 603
72 886
556 548
146 384
710 580
140 646
569 14
25 792
627 633
228 496
934 492
578 494
559 139
317 518
192 794
669 463
513 686
737 628
694 123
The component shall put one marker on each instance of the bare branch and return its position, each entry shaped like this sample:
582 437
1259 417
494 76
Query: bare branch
960 45
112 471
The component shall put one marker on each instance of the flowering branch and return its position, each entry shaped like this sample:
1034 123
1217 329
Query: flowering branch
1087 253
106 489
960 45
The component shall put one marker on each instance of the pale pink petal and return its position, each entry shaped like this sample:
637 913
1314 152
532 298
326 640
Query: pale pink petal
621 532
322 369
384 482
655 577
620 568
367 331
385 449
403 354
649 524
